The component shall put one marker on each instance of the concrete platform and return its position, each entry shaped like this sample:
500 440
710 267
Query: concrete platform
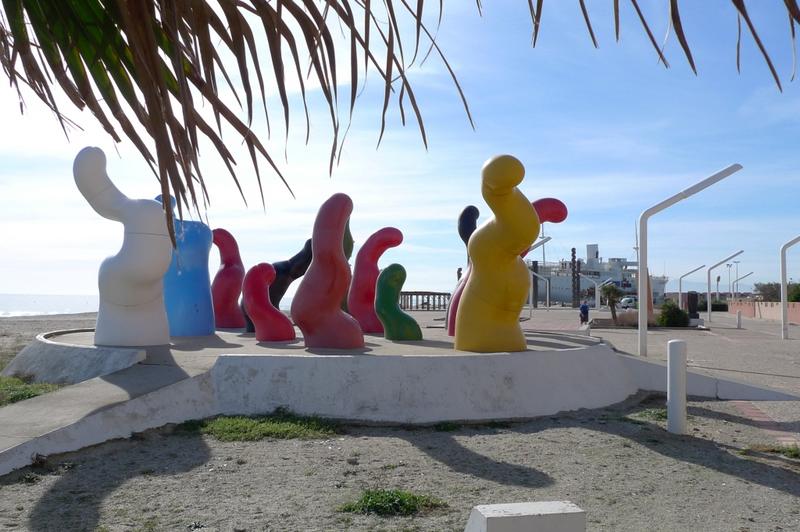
385 382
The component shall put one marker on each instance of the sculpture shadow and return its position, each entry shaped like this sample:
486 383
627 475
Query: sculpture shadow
367 349
571 338
444 448
198 343
685 448
73 502
699 411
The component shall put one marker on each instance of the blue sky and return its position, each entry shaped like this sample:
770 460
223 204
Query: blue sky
609 131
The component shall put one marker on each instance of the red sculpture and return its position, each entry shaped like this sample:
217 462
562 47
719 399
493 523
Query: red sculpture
271 324
550 210
361 299
227 283
316 305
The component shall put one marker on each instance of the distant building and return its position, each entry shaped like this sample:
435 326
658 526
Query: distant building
621 272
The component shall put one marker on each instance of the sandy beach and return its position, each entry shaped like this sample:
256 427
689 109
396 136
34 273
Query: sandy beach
619 464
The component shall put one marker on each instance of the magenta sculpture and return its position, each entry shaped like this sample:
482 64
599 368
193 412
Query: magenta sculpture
361 298
227 284
316 305
271 324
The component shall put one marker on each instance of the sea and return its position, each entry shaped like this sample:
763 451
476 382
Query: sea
40 304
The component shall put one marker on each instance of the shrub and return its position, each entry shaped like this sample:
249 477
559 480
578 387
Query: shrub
672 316
715 306
391 502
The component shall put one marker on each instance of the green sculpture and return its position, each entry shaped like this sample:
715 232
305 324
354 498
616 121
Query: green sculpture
397 325
347 245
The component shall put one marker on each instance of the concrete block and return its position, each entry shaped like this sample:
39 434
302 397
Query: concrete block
544 516
46 359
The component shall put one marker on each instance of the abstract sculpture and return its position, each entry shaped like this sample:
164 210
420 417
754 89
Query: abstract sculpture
467 222
131 311
271 325
187 285
487 319
288 271
397 325
347 244
361 298
227 283
316 307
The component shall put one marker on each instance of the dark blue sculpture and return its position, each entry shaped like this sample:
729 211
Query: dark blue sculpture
187 285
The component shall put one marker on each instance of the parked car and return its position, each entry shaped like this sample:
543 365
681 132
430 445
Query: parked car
627 302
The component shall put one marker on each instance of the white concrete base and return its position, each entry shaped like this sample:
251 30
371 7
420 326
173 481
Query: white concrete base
423 389
48 360
385 383
545 516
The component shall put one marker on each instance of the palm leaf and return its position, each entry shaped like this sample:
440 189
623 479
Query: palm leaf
140 66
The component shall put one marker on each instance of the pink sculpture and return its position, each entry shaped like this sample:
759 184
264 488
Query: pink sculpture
452 308
271 324
316 305
361 299
227 283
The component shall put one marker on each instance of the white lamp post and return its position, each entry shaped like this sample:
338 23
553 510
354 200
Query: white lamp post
644 297
596 289
708 279
680 284
736 282
785 289
547 287
742 277
730 294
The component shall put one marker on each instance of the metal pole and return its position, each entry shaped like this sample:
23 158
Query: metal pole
541 242
676 386
742 277
729 281
736 282
680 284
596 291
708 279
530 297
642 276
785 289
738 319
547 286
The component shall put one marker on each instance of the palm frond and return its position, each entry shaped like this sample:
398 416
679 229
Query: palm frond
140 65
150 60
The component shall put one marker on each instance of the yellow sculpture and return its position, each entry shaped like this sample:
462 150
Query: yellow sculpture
487 319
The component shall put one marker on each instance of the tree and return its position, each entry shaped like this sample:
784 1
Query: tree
794 292
768 291
152 59
613 294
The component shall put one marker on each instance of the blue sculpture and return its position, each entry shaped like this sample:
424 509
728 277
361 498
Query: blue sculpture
187 285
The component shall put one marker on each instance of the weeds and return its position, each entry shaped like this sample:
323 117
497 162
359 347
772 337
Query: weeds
14 389
790 451
281 424
392 502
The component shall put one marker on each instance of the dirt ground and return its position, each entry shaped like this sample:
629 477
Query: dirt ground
618 464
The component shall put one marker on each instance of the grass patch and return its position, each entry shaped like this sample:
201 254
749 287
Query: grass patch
655 414
790 451
446 426
392 502
281 424
14 389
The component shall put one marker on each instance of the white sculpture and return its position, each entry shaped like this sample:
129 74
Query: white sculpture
131 309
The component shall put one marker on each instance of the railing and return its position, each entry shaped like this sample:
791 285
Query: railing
424 300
